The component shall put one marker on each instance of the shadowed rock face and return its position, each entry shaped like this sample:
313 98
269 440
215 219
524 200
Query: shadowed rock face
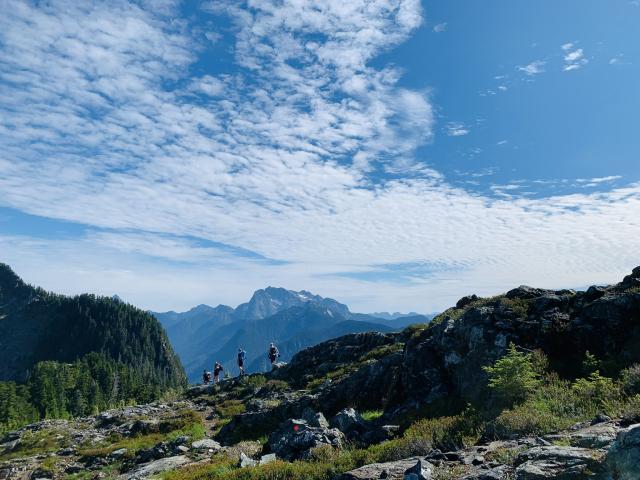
446 359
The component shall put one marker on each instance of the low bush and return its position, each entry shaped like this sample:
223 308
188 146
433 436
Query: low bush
526 419
519 306
230 408
630 379
382 351
448 433
371 415
631 411
275 386
597 394
255 381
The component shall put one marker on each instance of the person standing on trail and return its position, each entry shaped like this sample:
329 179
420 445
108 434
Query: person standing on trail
273 354
216 372
242 355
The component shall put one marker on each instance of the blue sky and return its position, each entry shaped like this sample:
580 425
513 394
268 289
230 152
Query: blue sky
392 154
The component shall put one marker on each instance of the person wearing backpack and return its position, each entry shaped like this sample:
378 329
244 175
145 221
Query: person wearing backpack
242 355
206 377
216 372
273 354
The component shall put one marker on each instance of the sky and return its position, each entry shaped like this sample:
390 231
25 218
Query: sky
392 154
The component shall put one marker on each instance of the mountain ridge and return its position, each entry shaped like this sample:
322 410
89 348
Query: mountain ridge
206 334
84 351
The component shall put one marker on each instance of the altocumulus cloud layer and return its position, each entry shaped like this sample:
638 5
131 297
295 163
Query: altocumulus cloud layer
297 167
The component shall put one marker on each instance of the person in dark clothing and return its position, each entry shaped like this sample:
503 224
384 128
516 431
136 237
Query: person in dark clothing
216 372
206 377
273 353
242 355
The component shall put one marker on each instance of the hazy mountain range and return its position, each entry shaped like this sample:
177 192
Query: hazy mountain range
293 320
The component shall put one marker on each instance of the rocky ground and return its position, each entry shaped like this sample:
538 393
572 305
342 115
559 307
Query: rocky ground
120 444
296 418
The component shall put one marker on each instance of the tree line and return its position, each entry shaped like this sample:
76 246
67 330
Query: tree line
86 386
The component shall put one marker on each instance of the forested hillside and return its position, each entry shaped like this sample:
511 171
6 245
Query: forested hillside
62 356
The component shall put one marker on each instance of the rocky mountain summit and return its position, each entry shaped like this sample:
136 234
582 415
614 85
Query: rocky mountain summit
533 384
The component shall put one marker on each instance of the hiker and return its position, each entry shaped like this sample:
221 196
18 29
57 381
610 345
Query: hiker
273 353
216 372
241 357
206 377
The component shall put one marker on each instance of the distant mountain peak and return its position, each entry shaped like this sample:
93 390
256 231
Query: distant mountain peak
271 300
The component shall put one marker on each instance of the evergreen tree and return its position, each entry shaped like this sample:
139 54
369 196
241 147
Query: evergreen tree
513 377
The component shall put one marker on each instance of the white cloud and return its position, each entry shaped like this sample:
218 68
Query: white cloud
534 68
618 60
457 129
102 125
440 27
574 57
596 180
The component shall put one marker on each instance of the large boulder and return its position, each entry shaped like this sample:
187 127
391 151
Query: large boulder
315 419
375 471
623 459
156 467
559 462
349 422
422 470
599 435
206 444
296 438
501 472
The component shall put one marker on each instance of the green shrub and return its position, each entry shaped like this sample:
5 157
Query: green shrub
630 378
526 419
230 408
415 329
631 411
275 385
41 441
448 433
590 364
597 394
557 404
382 351
519 306
513 377
255 381
371 415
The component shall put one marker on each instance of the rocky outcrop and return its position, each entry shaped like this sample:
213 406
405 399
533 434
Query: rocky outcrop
623 459
328 356
446 360
559 462
599 435
296 438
